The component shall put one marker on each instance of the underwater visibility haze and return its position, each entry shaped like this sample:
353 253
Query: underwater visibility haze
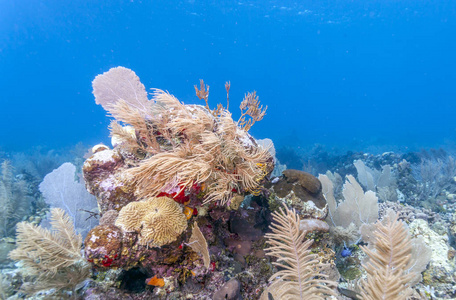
339 73
228 149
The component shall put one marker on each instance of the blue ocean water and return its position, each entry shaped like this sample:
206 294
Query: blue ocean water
351 74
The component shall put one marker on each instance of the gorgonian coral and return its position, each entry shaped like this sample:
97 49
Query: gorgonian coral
177 146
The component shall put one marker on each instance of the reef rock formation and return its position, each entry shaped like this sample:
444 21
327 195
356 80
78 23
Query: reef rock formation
170 165
303 192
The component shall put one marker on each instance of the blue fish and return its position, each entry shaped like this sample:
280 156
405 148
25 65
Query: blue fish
346 252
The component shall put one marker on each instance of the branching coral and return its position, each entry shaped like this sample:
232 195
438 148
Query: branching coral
158 220
252 108
180 145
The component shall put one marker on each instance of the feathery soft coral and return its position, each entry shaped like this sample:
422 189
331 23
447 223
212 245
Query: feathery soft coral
182 145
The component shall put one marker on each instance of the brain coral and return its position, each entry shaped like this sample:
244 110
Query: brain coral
159 220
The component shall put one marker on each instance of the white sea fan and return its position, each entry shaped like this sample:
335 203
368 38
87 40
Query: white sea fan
61 189
120 83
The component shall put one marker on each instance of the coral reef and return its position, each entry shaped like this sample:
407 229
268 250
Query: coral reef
441 269
103 177
188 209
234 245
230 290
173 164
182 146
103 245
168 165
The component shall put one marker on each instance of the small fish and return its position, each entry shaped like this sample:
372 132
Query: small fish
155 281
349 293
346 252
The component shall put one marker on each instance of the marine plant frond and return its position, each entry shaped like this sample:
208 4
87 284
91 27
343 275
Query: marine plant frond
64 230
125 135
164 100
7 172
14 203
221 186
227 88
203 92
43 251
389 258
156 172
226 126
191 124
300 272
250 106
180 118
210 143
218 193
6 189
67 278
123 112
180 145
250 176
53 257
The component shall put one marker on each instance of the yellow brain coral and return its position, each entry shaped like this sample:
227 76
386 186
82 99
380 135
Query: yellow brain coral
159 220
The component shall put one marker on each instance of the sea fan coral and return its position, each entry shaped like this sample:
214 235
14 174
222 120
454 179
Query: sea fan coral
158 220
198 244
180 146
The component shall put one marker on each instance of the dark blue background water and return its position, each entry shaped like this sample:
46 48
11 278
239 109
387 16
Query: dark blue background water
345 73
